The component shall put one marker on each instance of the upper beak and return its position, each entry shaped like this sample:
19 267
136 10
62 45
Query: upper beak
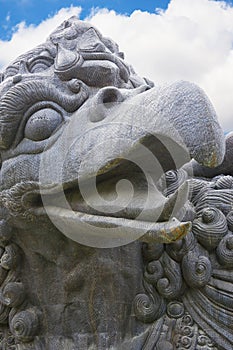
159 129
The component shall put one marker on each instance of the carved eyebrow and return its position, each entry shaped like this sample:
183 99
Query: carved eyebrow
19 98
47 50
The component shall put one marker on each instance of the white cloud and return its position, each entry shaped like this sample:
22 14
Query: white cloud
27 37
191 40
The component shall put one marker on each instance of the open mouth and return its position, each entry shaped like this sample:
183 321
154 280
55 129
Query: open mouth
139 219
122 203
107 191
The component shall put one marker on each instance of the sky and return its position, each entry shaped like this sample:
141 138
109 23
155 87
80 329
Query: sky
164 40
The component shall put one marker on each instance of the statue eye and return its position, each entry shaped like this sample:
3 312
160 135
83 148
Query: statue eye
42 124
39 64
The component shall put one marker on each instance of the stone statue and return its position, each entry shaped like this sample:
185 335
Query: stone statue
116 205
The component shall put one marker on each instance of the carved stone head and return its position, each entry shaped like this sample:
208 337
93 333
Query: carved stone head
76 121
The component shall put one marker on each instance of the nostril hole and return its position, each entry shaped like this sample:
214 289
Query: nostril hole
111 96
103 101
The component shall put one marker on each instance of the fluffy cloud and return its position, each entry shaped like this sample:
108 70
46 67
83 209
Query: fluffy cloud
27 37
191 40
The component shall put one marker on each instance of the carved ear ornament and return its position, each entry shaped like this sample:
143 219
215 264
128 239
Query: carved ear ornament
10 71
23 319
39 64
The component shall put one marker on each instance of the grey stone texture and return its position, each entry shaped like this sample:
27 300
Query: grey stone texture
116 220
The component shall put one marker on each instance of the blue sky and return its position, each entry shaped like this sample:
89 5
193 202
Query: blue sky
33 11
189 40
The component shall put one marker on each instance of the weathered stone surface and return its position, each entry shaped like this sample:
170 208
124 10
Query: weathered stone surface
108 239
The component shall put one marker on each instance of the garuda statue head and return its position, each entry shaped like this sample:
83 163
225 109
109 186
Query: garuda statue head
84 142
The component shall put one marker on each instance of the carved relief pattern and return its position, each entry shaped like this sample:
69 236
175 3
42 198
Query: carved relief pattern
186 290
195 273
19 322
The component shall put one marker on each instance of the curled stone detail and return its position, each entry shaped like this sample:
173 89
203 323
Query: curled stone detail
10 258
170 285
197 186
197 269
203 341
210 227
225 251
154 272
13 294
25 325
149 307
180 248
85 291
175 309
224 182
171 181
220 199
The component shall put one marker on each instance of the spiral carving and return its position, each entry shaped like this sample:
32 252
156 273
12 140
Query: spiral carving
154 272
203 341
74 85
179 249
171 181
188 331
10 258
224 182
184 333
225 251
210 228
175 309
148 307
145 309
13 294
197 187
221 199
197 269
170 286
185 342
25 325
187 320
